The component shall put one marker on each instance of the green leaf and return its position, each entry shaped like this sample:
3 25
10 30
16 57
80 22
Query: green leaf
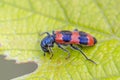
22 21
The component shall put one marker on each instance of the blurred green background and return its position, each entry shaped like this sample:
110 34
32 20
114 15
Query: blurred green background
21 21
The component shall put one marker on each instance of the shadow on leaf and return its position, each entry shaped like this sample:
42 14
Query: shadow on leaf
9 69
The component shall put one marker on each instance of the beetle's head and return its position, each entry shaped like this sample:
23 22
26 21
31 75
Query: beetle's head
47 42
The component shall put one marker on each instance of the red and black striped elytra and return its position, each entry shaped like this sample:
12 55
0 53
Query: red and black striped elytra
65 37
74 37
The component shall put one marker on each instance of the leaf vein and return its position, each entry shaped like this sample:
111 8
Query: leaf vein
104 16
63 10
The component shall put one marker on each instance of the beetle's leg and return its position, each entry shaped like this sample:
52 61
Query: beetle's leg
50 50
75 29
44 53
45 33
76 48
64 50
80 46
53 32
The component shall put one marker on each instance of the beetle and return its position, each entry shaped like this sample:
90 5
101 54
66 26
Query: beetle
66 37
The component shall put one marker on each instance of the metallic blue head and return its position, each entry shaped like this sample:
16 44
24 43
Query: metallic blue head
47 42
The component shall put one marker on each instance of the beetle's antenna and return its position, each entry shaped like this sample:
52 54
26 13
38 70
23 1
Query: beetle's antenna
45 33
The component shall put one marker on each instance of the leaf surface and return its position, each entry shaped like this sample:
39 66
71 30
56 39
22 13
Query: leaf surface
22 21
